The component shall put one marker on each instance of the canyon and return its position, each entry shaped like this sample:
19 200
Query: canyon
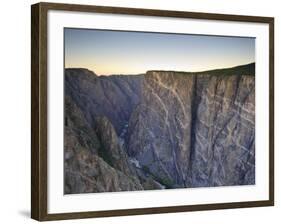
159 130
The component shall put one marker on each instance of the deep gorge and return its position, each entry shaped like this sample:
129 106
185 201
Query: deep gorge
159 130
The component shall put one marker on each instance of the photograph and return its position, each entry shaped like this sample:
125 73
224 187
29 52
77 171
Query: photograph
157 111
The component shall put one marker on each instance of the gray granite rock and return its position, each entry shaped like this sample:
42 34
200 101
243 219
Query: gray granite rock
160 130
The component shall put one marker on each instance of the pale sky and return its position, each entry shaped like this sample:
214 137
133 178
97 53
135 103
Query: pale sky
121 52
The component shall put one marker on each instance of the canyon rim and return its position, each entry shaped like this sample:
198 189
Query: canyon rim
159 130
136 118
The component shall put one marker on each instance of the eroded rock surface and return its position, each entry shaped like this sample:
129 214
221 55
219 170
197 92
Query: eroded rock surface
86 166
163 129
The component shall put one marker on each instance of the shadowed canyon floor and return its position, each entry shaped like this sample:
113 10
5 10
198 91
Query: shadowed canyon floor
159 130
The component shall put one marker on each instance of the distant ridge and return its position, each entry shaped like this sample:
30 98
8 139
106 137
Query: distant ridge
77 70
247 69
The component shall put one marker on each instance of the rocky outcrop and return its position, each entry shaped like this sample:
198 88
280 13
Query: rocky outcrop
112 151
112 96
86 168
194 130
164 129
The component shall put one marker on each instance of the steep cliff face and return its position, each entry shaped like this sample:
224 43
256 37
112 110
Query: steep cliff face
160 130
194 130
224 148
113 96
93 160
160 127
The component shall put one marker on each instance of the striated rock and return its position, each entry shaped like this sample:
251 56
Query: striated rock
160 130
224 146
195 130
160 127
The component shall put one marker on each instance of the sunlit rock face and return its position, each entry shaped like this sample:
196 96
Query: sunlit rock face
163 129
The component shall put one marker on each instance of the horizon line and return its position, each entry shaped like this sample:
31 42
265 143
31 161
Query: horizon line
157 70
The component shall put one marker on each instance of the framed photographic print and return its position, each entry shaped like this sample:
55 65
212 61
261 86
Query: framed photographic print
141 111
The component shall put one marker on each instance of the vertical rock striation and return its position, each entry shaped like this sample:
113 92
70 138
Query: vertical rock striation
160 127
224 147
164 129
195 130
